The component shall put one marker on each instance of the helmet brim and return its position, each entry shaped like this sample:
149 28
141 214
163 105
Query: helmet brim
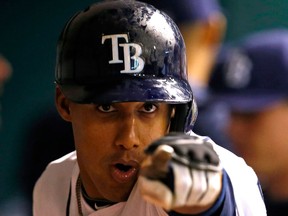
131 90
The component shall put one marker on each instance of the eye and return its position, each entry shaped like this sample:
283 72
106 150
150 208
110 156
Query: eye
106 108
149 108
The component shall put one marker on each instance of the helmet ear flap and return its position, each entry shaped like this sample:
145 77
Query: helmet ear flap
185 117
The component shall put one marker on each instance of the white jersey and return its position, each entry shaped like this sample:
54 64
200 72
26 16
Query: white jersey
55 191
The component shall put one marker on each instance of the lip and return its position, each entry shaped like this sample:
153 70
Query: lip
124 176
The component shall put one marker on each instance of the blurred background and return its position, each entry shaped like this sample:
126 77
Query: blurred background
28 35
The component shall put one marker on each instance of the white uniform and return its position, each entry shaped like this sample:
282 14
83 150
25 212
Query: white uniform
52 197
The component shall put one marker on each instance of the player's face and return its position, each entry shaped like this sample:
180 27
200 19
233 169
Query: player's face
261 138
110 141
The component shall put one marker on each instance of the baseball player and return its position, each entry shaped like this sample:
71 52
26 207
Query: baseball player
121 81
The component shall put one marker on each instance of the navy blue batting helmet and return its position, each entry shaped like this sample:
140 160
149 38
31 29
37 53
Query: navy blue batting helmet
121 51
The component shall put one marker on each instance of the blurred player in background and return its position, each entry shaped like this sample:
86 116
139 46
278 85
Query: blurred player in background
251 76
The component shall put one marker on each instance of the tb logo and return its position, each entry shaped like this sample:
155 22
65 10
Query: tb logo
138 62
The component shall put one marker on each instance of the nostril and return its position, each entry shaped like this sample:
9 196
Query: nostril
128 146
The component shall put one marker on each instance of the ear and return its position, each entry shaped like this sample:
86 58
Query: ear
62 104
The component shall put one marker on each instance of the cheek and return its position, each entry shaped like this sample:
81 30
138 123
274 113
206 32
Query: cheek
89 133
93 144
151 131
92 134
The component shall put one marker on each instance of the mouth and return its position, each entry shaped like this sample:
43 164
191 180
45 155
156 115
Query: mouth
124 172
123 167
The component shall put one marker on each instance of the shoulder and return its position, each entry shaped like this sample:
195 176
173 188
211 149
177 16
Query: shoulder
53 185
60 169
57 172
229 160
243 181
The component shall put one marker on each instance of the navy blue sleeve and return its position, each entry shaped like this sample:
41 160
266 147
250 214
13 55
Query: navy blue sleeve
224 205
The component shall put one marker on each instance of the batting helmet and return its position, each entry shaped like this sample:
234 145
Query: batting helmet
120 51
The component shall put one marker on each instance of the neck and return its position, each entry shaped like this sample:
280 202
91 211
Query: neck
94 203
99 202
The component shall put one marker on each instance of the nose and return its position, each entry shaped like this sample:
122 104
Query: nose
127 137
